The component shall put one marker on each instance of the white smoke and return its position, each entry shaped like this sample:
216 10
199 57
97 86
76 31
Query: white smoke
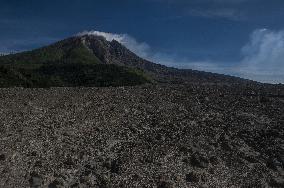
141 49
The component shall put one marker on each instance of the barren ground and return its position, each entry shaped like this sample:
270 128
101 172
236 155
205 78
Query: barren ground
145 136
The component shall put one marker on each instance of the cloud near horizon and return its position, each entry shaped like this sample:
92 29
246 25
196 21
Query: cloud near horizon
262 57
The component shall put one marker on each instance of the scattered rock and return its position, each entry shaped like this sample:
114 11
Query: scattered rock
34 153
2 157
277 182
198 160
115 166
274 164
36 181
165 184
214 160
192 177
263 99
56 184
75 185
69 162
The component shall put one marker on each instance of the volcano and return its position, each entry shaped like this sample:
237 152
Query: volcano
91 60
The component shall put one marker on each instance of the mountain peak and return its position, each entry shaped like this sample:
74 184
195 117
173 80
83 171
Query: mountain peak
107 36
91 37
107 49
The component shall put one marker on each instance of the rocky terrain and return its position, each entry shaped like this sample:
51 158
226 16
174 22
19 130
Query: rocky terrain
163 136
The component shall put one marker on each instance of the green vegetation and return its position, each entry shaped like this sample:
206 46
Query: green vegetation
69 75
64 65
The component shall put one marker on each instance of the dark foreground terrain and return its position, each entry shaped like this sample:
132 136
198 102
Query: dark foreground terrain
144 136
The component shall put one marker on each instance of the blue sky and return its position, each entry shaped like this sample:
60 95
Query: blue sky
238 37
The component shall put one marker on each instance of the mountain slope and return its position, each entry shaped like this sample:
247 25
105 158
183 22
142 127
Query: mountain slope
90 60
115 53
69 75
65 63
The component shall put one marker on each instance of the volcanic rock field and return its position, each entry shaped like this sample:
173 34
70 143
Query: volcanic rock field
161 136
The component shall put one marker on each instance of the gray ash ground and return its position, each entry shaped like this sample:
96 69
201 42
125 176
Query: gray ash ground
144 136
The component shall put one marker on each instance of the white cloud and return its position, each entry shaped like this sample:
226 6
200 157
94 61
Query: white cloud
142 49
263 56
